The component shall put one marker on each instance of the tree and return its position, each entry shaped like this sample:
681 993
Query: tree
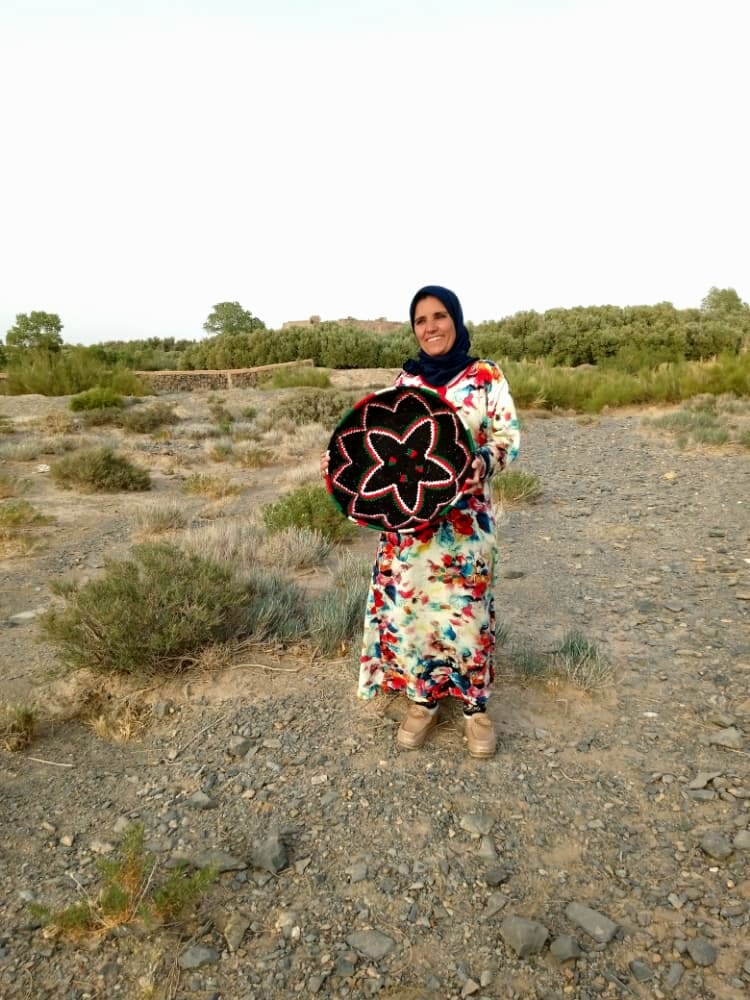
37 330
723 300
230 317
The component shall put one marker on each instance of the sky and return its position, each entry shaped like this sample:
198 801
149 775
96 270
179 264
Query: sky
329 157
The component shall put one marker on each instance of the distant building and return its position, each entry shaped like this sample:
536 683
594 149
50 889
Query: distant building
381 325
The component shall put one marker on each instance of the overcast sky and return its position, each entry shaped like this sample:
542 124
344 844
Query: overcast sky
330 156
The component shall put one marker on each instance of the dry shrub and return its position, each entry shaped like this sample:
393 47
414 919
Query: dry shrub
20 451
161 517
303 474
228 543
145 419
12 486
514 486
309 437
336 616
215 487
294 549
56 422
253 457
219 451
119 724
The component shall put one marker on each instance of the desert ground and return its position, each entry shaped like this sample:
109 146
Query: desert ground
602 853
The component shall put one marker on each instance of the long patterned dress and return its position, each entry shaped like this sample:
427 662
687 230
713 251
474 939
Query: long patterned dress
430 619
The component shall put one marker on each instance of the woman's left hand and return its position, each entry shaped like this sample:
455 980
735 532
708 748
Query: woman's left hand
478 472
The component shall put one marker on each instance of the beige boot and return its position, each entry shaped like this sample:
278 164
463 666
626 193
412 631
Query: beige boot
480 734
413 731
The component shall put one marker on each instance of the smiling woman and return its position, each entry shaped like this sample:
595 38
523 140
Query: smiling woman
430 620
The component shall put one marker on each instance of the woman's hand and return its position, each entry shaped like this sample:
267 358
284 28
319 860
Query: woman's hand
478 473
324 459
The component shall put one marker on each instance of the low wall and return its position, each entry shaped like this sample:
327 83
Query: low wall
234 378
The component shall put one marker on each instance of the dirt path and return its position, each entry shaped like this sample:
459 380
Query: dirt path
405 875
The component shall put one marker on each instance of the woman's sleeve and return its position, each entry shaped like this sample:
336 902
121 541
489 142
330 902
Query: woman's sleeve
503 434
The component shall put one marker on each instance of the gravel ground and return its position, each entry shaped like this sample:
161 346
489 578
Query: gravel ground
603 852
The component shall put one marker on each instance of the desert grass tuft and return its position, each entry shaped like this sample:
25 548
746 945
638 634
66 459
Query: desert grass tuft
12 486
515 486
17 726
294 548
19 513
56 422
582 663
215 487
132 891
100 470
251 456
336 616
161 517
147 419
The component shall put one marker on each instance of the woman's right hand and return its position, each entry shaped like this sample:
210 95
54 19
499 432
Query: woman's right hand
324 459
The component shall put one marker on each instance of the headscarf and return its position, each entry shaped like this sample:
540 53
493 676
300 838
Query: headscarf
444 368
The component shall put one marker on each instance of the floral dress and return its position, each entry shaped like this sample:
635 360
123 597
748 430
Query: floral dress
430 619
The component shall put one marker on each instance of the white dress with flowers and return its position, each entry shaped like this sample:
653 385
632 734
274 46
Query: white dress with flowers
430 619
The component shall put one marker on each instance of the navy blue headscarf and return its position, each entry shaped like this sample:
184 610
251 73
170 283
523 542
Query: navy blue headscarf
444 368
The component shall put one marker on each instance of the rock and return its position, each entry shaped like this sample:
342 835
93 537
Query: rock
494 904
196 956
357 872
642 971
496 875
470 988
702 778
476 823
701 951
372 944
742 841
565 947
238 746
525 937
673 977
595 924
120 825
220 860
716 845
487 849
270 854
199 800
235 929
731 737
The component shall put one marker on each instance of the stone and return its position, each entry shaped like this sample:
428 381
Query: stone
199 800
470 988
238 746
715 845
494 904
731 737
742 841
642 971
525 937
357 872
595 924
476 823
372 944
220 860
673 976
197 956
701 951
270 854
565 948
487 849
235 929
496 875
702 778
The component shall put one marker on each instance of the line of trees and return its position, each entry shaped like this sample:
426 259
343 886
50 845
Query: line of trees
632 338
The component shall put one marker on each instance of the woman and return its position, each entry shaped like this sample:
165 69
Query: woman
430 620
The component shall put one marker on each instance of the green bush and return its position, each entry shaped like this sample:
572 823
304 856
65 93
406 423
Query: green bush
98 398
516 486
66 372
151 612
308 507
100 470
289 378
20 514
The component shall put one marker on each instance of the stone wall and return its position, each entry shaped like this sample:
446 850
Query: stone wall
236 378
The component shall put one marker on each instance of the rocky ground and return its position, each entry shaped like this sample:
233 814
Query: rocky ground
603 852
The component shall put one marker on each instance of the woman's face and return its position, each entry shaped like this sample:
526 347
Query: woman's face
433 326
